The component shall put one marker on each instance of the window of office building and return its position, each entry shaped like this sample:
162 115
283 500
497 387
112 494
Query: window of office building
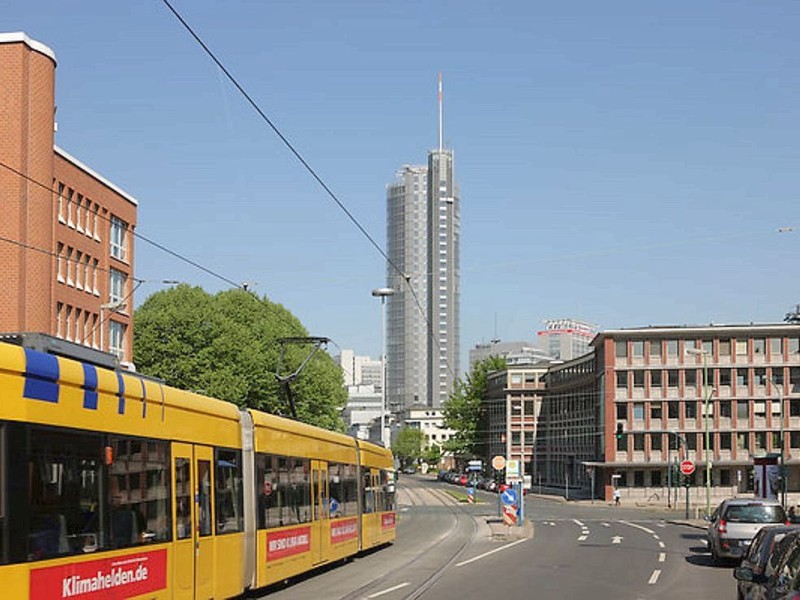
690 409
741 347
622 411
742 441
638 379
621 349
690 377
119 238
638 348
691 441
794 408
741 378
793 345
725 477
759 346
725 408
794 439
655 348
725 441
724 347
622 379
116 286
655 379
673 407
672 378
708 348
638 411
760 439
760 376
775 347
638 479
742 410
655 411
655 441
672 347
725 377
622 444
638 442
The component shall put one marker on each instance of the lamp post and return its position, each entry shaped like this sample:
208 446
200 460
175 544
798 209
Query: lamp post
706 395
383 293
783 467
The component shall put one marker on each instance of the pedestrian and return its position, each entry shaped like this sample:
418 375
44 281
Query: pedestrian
616 497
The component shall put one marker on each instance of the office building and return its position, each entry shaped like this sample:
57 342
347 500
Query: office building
66 246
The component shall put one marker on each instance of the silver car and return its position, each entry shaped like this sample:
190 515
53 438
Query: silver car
735 522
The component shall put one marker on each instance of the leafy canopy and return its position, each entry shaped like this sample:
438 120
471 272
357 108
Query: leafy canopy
462 411
407 447
225 346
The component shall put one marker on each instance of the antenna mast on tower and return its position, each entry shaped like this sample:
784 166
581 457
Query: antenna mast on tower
440 111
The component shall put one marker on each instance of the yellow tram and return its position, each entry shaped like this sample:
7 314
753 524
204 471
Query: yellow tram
113 485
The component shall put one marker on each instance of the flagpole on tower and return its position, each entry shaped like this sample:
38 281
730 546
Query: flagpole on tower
440 111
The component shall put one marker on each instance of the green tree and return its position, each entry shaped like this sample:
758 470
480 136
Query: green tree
462 411
407 447
225 346
432 455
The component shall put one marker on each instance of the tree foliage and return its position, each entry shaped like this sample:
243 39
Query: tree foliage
226 346
462 411
407 447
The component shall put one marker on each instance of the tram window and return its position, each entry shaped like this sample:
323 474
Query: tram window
368 500
343 488
284 491
138 492
204 497
183 499
229 496
387 481
63 493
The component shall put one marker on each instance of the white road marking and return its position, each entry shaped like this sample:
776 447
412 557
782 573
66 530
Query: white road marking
656 537
654 576
583 538
485 554
616 539
662 556
645 529
578 523
388 591
606 524
661 545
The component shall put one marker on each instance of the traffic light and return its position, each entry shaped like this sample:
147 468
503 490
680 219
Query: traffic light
620 432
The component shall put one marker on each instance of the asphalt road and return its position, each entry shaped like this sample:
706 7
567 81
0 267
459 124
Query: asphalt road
445 550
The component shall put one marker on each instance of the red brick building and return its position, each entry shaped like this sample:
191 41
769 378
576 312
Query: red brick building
66 233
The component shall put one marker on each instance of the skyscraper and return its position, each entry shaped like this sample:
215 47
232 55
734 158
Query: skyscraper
423 242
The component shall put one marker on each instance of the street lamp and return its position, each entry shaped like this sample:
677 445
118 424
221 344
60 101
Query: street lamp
783 467
383 293
706 397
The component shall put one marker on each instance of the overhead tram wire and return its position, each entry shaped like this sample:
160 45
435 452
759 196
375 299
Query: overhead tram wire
310 170
139 236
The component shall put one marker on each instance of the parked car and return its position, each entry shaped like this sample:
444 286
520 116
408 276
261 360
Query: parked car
735 522
758 556
780 579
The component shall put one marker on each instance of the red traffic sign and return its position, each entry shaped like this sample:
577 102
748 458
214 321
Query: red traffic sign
687 467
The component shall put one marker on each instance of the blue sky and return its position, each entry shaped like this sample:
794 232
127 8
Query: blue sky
626 163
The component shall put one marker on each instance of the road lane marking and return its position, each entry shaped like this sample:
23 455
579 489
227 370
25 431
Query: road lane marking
661 545
578 523
583 538
654 577
606 524
616 539
656 537
389 591
485 554
662 556
645 529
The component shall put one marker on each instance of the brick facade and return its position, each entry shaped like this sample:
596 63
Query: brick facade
56 253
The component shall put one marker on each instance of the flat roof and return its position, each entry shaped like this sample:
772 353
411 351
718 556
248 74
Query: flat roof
17 37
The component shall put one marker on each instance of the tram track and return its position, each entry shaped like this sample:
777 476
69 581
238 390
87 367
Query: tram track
413 588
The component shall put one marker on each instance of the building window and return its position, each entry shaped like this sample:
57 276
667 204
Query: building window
655 478
60 319
60 262
691 441
655 348
690 377
655 441
725 477
672 378
742 410
741 378
118 238
79 213
70 223
708 348
622 411
672 409
741 347
725 377
775 347
622 379
655 412
116 286
793 345
724 347
69 267
655 379
690 409
759 346
116 342
794 439
725 441
794 408
638 411
638 348
638 379
638 479
61 218
621 349
760 440
725 408
672 348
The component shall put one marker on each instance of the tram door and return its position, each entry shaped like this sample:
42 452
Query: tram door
320 499
183 517
204 519
193 555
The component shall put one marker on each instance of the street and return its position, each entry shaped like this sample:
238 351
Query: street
445 549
